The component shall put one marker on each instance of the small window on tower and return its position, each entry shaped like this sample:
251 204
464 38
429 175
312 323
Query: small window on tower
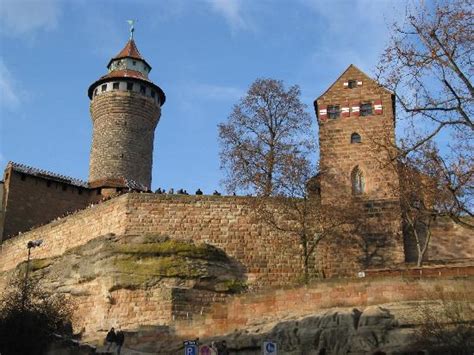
104 87
129 86
153 94
142 89
366 109
334 111
134 62
352 84
115 86
95 92
358 181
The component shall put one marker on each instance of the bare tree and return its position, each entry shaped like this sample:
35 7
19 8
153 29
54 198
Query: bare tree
296 210
429 66
266 127
418 192
30 318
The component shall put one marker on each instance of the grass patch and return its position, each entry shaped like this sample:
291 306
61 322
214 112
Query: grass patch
173 248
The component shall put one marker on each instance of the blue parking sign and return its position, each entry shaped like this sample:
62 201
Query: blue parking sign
190 347
269 348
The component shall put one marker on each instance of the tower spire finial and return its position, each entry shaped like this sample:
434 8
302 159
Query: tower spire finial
132 27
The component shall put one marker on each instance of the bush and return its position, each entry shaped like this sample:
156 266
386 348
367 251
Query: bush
447 326
30 318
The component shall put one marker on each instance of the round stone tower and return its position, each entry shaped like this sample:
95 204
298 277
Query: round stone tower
125 109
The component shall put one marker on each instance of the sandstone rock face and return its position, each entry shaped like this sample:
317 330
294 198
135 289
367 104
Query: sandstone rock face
130 280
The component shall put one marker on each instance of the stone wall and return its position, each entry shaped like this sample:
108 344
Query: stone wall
450 240
264 256
247 310
66 233
30 201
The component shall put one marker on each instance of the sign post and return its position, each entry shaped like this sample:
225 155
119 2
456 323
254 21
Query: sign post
190 347
269 348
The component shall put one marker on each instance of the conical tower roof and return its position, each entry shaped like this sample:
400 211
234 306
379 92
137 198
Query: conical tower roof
129 70
129 51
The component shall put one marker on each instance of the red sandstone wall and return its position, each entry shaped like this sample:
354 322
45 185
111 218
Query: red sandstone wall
226 222
31 201
450 241
266 257
246 310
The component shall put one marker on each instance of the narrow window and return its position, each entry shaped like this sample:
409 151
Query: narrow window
352 84
115 86
142 89
334 111
358 181
134 63
95 92
355 138
153 94
104 87
129 86
366 109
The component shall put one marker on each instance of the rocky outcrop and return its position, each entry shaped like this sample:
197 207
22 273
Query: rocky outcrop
135 280
137 262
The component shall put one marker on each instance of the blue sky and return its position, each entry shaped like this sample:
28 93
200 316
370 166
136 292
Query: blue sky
204 54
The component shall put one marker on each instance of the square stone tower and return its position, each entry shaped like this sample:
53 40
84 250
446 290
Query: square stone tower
356 119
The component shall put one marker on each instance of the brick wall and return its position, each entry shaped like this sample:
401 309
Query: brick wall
30 201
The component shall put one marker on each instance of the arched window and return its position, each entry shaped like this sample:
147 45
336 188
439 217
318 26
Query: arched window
355 138
358 181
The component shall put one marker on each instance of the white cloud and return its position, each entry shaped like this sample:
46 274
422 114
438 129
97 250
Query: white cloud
9 97
231 10
24 17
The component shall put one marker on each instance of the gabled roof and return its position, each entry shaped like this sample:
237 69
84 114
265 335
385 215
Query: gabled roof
48 175
118 182
129 51
352 66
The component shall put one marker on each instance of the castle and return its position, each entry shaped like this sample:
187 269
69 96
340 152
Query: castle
354 114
